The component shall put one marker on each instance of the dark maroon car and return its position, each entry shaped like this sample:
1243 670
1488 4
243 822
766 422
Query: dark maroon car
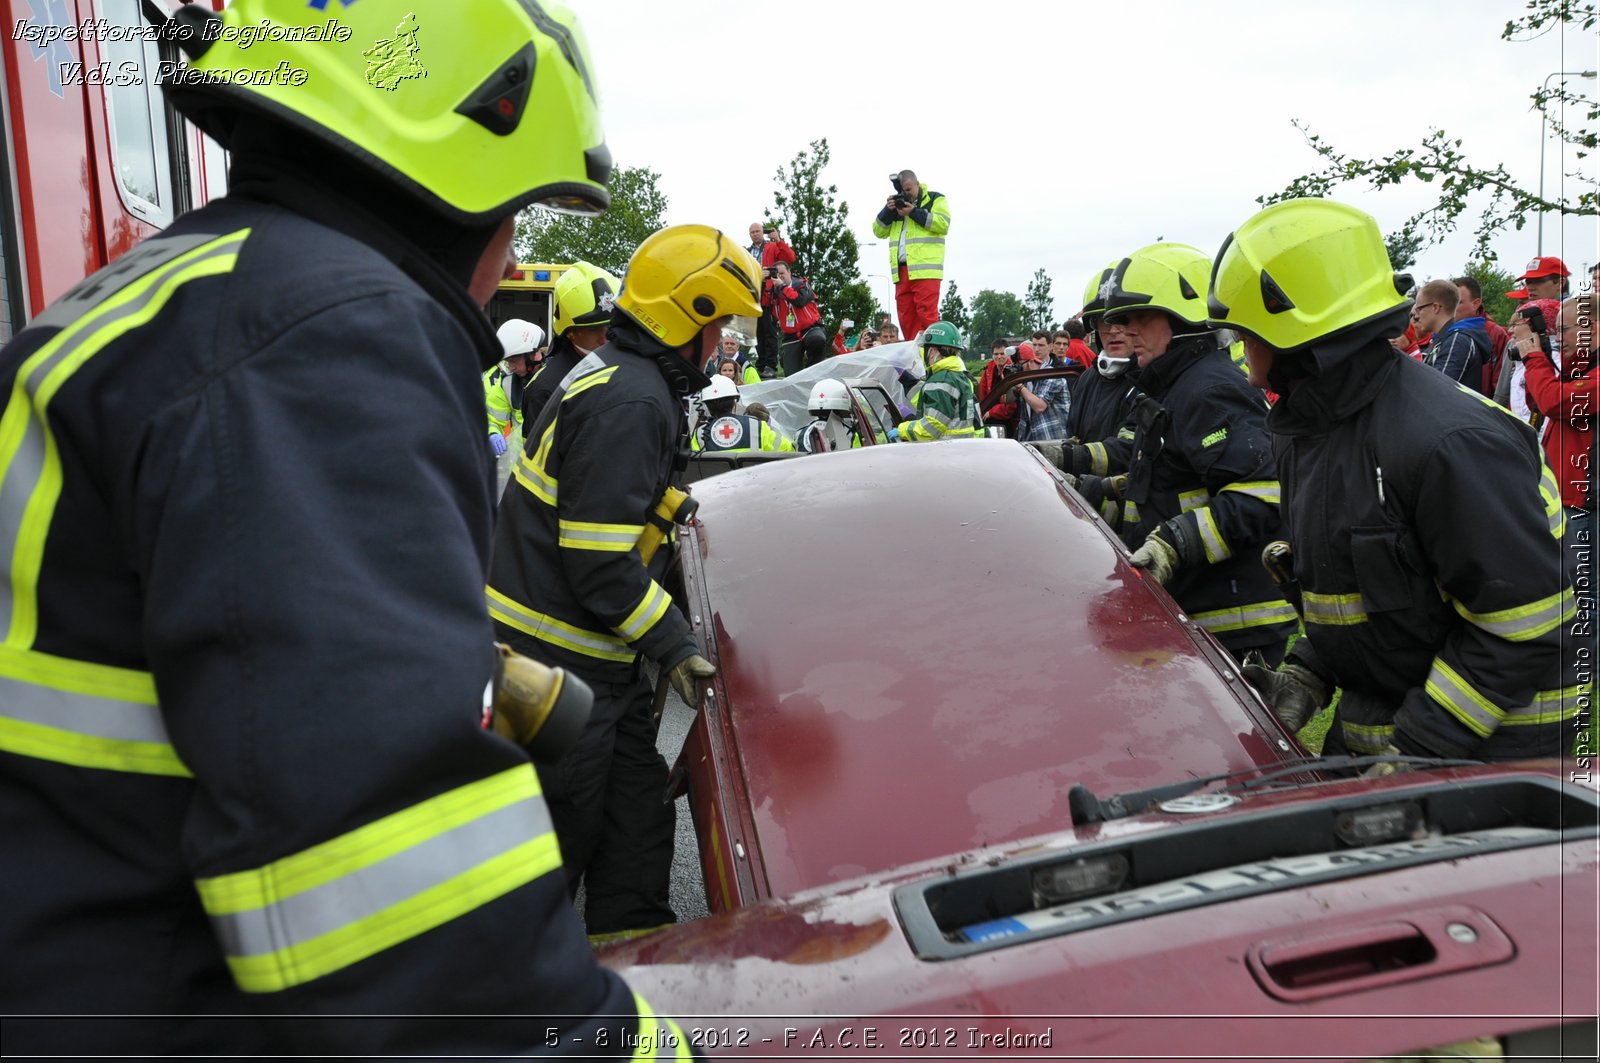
951 790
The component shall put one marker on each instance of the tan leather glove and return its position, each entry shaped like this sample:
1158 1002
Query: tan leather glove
1156 557
1379 771
1294 694
686 675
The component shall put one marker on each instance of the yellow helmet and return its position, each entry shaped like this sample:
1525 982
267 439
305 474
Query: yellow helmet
477 110
1094 296
1169 277
584 297
1301 270
684 277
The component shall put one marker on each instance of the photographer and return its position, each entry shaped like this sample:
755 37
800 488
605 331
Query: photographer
768 247
804 341
1001 414
914 221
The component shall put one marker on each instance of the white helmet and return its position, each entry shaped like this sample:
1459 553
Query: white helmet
520 337
828 395
721 388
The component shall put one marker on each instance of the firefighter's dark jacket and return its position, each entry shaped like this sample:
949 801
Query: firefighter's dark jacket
242 761
1101 418
557 364
1202 459
1426 530
566 584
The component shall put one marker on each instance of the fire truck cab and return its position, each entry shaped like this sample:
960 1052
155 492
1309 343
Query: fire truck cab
95 159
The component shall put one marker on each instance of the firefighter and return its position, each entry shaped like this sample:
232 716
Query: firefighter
724 431
242 743
566 582
1202 494
945 405
503 384
584 297
1426 525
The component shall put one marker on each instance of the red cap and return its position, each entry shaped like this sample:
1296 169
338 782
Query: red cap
1545 267
1517 293
1025 352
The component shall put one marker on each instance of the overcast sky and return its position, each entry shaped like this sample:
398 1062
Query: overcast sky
1066 134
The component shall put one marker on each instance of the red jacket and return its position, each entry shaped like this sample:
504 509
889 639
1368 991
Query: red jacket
1569 404
1079 352
773 252
796 309
1001 412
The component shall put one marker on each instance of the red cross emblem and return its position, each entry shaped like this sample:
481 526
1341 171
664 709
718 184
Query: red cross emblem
727 431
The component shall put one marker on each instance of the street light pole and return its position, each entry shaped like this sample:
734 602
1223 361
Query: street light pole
1544 121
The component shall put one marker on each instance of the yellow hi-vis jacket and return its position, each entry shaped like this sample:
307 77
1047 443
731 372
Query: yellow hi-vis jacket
917 239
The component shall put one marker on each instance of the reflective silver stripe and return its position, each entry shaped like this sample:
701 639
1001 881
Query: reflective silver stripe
1099 464
22 474
1217 548
1108 510
1367 738
942 388
1266 490
1260 614
1526 622
1552 706
1474 710
1334 609
537 624
84 714
646 614
1188 500
925 240
369 890
926 267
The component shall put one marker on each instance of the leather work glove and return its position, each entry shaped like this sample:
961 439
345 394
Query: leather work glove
685 677
1380 771
1050 451
497 443
1157 556
1069 456
1294 694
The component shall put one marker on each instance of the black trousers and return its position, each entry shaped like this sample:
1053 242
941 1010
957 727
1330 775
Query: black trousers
804 351
614 825
768 339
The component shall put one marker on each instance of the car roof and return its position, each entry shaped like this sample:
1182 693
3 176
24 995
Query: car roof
924 647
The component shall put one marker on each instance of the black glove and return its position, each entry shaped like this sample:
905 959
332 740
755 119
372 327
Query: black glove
1293 693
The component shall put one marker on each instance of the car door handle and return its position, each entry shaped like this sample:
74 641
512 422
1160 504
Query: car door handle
1421 945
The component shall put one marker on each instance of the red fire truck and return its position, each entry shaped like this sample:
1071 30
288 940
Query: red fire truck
95 159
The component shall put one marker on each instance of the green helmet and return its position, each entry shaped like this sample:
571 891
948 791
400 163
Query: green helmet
1301 270
942 334
477 110
1094 296
1168 277
584 297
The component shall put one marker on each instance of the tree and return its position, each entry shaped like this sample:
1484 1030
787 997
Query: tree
608 240
853 301
953 309
1403 248
817 226
994 315
1040 307
1442 160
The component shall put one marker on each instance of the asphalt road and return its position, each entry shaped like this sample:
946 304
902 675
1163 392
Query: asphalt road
688 888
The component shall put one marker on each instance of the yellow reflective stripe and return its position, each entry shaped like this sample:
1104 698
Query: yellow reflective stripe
1108 509
1217 548
30 464
1258 614
1130 513
82 714
657 1036
321 909
1099 464
1125 433
1367 738
592 380
1334 610
1524 622
1551 706
586 535
646 614
530 471
1266 490
515 615
1555 513
1462 700
1188 500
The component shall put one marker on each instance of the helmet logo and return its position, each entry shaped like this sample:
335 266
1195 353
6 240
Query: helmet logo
1107 286
727 432
394 59
607 302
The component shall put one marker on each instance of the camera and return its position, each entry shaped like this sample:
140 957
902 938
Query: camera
899 197
1536 321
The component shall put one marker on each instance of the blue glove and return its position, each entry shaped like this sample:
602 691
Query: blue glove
497 443
894 434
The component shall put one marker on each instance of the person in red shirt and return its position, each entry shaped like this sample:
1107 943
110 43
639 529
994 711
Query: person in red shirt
1001 414
769 247
1068 345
